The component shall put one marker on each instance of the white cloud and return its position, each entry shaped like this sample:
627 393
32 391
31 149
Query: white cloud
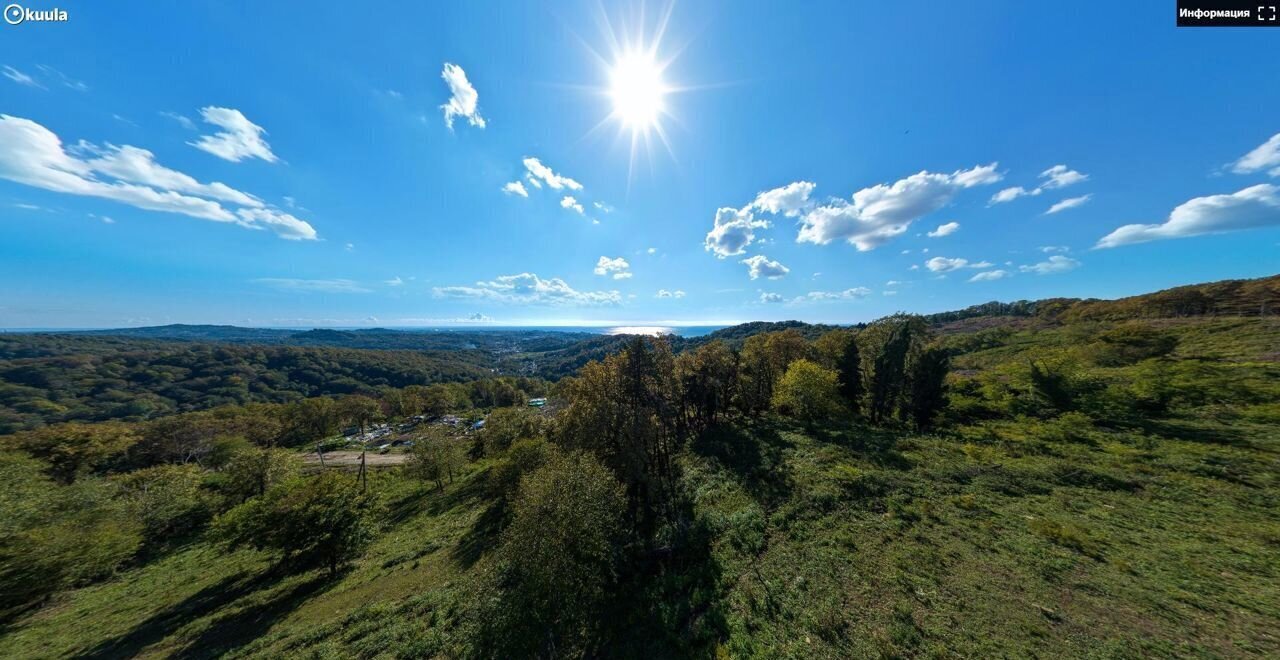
663 293
790 200
527 288
349 247
283 224
734 230
33 155
464 100
312 286
570 203
137 165
989 276
1010 194
944 230
1058 176
1055 264
20 77
770 298
888 293
539 174
945 265
395 281
652 250
855 293
762 266
1266 155
884 211
1061 176
617 267
1069 203
239 139
1251 208
515 188
1049 249
603 208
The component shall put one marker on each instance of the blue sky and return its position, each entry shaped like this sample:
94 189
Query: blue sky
814 146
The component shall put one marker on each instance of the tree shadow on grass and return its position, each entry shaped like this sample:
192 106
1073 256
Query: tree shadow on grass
204 602
483 536
236 630
877 446
754 454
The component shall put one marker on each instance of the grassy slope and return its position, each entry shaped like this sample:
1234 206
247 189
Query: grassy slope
1007 538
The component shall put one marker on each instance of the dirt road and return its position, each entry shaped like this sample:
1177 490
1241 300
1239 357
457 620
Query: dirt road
350 458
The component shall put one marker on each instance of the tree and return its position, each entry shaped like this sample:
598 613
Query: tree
73 450
434 456
838 350
54 536
765 357
504 426
926 380
309 520
707 378
625 411
888 345
807 392
252 471
553 570
169 501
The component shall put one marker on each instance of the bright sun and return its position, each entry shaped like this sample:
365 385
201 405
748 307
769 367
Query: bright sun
637 90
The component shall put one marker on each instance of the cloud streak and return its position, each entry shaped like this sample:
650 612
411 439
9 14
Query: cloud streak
33 155
1250 208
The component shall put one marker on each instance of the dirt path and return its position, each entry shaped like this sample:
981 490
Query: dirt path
349 458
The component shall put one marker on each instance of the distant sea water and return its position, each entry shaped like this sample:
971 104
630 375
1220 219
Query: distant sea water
650 330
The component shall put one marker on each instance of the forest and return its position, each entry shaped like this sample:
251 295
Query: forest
1055 478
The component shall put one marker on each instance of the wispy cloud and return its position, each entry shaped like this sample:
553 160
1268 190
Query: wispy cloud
1069 203
312 286
528 288
855 293
20 77
1051 266
239 139
1265 156
182 120
990 276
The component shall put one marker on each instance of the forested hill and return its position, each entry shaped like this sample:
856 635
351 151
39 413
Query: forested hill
463 338
1256 297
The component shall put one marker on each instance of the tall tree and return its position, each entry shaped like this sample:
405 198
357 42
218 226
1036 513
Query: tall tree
926 378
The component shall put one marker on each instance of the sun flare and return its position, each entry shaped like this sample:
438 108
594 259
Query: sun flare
637 90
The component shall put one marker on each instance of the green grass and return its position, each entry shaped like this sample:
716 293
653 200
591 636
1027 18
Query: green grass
1011 537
